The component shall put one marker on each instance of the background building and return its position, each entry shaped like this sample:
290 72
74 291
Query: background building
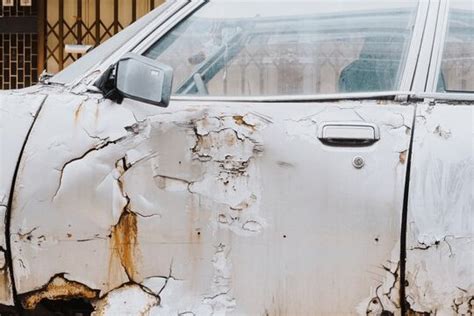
34 33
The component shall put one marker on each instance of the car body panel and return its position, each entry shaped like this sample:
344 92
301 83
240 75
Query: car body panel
440 248
232 205
212 197
17 112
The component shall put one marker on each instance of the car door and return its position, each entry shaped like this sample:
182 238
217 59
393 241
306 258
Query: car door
248 205
440 249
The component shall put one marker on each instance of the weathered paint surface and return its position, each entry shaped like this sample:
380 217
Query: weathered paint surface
440 247
186 210
17 111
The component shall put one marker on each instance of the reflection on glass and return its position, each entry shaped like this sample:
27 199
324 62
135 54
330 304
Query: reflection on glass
235 48
457 65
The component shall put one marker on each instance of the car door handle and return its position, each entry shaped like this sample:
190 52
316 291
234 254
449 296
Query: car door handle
348 133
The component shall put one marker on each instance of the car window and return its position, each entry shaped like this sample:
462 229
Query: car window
256 48
457 65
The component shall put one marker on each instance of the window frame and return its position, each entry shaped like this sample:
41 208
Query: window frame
439 37
430 90
185 8
406 76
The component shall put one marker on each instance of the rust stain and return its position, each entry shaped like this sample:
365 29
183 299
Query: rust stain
77 112
5 284
403 157
59 288
124 242
202 142
239 120
231 139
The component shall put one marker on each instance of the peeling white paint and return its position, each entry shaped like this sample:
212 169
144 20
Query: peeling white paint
209 189
218 191
385 296
440 245
127 300
17 113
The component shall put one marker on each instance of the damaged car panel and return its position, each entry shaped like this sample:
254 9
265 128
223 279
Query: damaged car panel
185 195
440 250
439 247
17 113
281 179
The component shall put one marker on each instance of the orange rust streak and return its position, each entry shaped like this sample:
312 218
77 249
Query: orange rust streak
239 120
77 113
5 285
124 242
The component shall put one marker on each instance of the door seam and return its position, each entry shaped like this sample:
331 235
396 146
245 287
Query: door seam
8 213
404 306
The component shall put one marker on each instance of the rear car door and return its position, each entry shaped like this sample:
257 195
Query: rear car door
273 183
440 232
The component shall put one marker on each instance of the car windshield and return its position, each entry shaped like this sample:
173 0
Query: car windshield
258 48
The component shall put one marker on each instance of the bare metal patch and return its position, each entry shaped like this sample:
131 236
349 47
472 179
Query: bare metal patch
59 288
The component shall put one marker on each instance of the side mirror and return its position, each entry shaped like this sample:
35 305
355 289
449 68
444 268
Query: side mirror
138 78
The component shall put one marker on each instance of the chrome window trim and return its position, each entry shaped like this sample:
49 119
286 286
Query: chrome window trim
438 48
425 56
413 55
393 95
167 26
444 96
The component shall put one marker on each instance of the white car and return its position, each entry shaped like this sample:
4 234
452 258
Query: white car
248 158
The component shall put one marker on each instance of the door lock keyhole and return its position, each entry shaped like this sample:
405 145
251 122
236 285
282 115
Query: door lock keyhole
358 162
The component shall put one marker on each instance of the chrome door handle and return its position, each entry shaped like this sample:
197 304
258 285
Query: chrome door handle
348 133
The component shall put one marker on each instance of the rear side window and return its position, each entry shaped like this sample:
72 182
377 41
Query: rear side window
457 65
257 48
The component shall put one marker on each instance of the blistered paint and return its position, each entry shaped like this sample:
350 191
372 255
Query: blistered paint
440 247
187 209
17 112
130 299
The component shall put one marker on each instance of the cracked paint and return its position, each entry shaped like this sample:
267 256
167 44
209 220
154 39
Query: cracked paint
17 113
221 301
129 299
440 252
384 299
215 191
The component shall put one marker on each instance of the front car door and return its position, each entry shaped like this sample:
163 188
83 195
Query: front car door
273 184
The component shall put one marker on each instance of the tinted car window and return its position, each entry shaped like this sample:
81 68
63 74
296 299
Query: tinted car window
457 65
238 48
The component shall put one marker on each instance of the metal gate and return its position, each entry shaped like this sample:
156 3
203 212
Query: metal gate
85 22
